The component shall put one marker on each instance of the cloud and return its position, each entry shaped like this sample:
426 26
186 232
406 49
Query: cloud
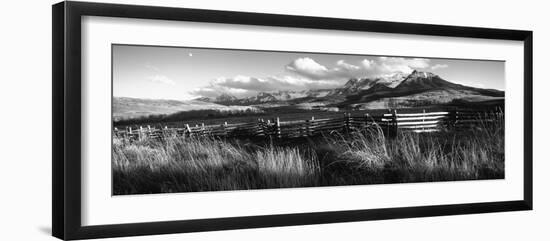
215 90
245 86
381 66
307 67
374 67
157 77
161 79
439 66
244 82
343 66
306 73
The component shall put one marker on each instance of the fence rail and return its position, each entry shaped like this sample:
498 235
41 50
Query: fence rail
391 123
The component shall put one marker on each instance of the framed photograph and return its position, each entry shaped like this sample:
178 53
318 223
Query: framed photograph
169 120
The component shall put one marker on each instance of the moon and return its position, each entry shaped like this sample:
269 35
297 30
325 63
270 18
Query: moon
190 54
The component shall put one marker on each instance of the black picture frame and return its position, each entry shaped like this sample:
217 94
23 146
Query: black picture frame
66 127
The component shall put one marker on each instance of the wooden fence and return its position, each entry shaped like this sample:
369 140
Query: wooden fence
391 123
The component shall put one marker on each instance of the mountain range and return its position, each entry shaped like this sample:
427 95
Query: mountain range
399 89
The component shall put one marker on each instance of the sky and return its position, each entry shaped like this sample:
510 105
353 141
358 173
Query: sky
180 73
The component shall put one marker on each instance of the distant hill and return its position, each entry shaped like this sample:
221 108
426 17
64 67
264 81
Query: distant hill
127 108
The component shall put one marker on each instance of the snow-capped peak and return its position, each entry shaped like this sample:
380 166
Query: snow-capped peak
421 74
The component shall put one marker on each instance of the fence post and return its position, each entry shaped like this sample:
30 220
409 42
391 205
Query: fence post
346 122
349 121
304 129
388 123
125 135
395 125
141 136
115 132
259 128
310 127
268 130
188 129
129 133
453 117
224 126
278 127
457 118
423 119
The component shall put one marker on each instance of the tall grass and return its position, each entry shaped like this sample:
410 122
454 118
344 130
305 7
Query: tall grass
207 164
366 157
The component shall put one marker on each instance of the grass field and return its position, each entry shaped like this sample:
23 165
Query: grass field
367 157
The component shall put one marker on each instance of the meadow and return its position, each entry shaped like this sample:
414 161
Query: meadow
206 163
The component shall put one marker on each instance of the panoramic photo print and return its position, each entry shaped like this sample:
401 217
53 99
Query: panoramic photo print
198 119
